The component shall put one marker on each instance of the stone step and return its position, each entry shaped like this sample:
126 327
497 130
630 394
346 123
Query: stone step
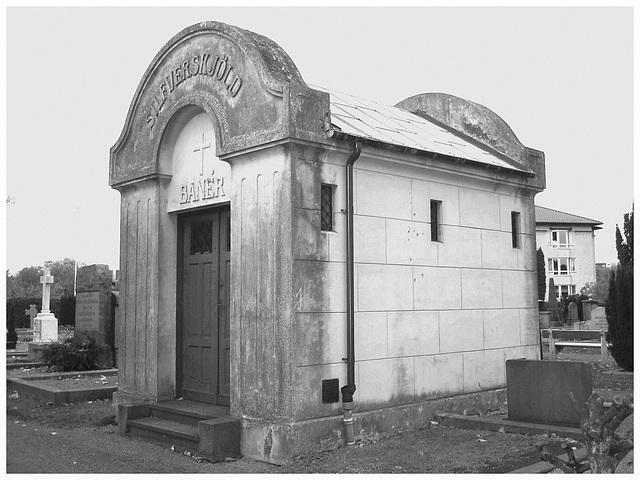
186 425
165 432
186 411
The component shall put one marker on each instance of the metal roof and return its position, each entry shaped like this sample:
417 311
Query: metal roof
370 120
548 215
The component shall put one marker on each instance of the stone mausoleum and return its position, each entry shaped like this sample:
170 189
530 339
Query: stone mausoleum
298 255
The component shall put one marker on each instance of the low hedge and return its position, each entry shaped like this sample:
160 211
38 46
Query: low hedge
63 308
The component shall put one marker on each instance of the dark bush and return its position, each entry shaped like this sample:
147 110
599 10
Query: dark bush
12 336
67 310
73 355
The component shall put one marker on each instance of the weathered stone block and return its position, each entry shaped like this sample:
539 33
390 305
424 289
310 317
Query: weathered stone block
460 330
439 375
436 288
383 287
219 438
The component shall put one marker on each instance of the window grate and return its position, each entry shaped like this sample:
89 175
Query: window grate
326 208
435 206
330 391
201 237
515 229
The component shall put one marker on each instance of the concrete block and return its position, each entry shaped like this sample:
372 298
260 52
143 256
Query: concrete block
438 376
538 390
501 328
385 382
479 209
519 289
410 243
529 327
319 286
219 438
461 330
383 287
371 332
413 333
513 203
369 200
337 239
309 243
320 338
497 250
436 288
481 288
460 247
484 370
369 248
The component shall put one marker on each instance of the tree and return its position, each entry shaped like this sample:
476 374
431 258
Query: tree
26 283
542 275
619 306
63 272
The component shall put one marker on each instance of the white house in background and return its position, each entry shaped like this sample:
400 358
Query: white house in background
568 244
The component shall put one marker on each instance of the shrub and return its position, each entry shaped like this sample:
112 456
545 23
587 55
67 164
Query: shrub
74 354
67 310
12 336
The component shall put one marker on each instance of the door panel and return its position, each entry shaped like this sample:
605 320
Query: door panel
205 314
223 309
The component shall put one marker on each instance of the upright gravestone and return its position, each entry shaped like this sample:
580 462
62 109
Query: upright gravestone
45 324
599 319
94 308
572 315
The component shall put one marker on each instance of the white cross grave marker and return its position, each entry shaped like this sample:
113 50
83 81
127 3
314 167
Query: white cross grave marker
46 280
45 325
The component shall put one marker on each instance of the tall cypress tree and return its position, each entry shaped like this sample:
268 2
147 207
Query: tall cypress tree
542 275
619 306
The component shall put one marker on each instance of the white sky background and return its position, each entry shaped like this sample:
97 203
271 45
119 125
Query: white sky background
562 78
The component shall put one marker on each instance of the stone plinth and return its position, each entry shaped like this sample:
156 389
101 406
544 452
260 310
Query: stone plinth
94 310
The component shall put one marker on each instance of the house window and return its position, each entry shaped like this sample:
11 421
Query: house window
561 266
564 291
559 238
326 208
515 229
436 219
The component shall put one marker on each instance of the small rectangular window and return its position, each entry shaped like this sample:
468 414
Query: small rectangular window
436 214
326 208
515 229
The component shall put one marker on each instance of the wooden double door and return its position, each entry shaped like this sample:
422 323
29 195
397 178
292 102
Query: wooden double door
203 322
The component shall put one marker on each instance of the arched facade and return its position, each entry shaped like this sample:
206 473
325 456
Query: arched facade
230 168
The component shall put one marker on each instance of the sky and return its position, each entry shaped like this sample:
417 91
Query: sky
561 77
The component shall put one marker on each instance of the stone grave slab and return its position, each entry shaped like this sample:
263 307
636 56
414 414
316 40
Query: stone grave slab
538 390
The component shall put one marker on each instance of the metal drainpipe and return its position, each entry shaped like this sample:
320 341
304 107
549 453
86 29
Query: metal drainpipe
349 389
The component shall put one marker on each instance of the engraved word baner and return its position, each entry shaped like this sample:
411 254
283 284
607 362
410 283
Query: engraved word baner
203 64
204 189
